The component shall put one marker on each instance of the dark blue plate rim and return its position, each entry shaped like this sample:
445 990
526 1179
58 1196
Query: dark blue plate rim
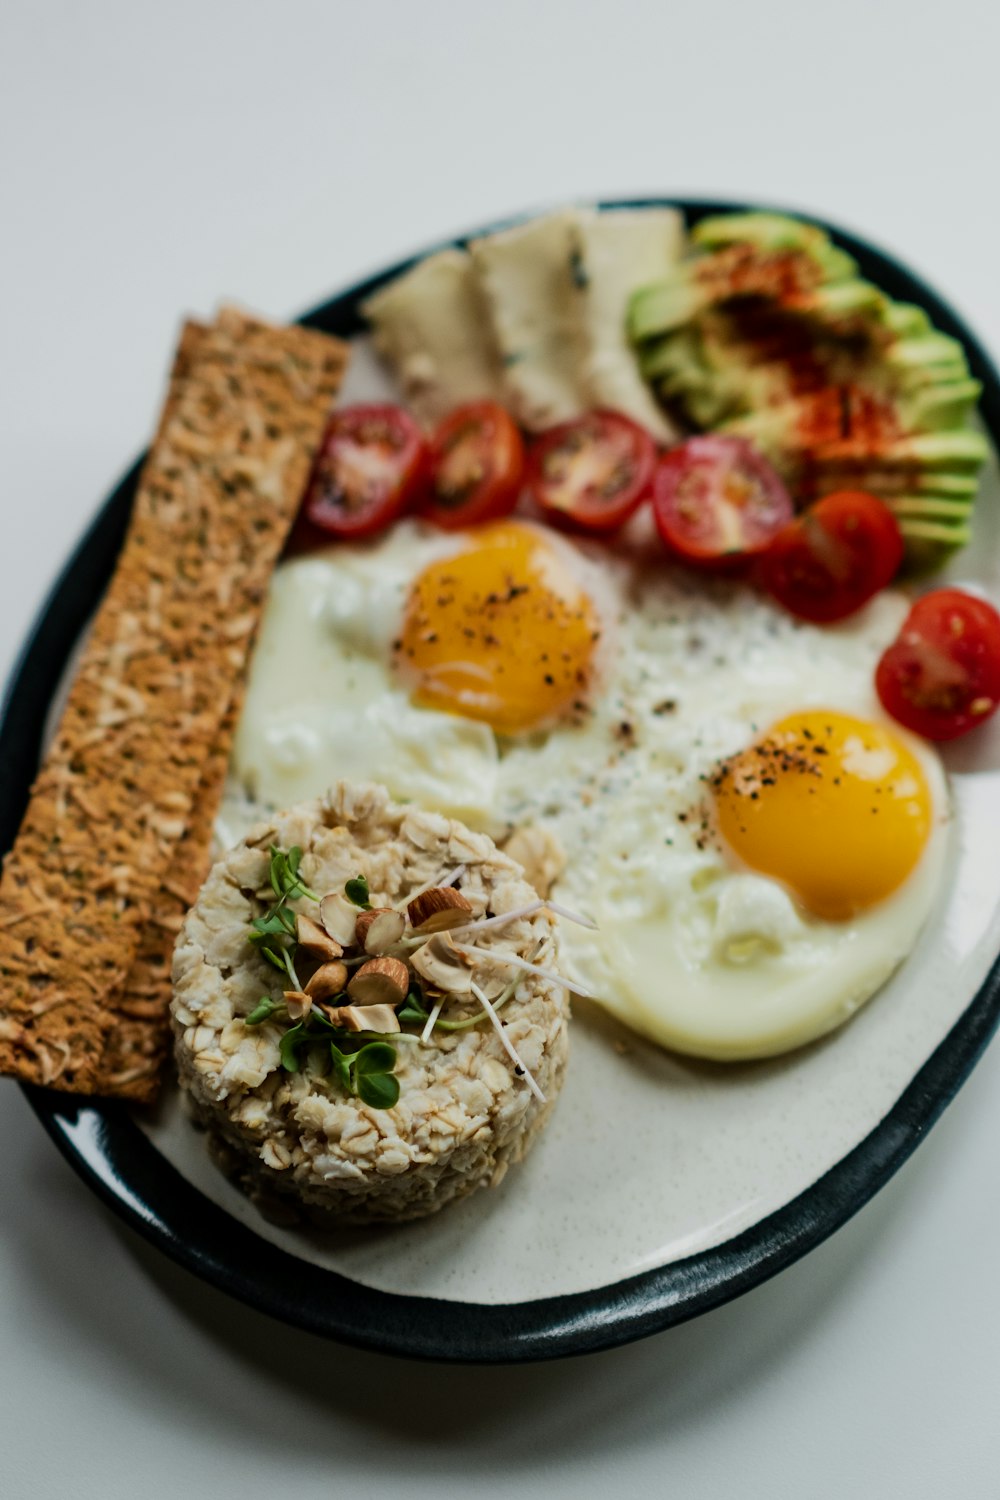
107 1148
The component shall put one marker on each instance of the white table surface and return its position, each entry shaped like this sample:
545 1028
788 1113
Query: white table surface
155 158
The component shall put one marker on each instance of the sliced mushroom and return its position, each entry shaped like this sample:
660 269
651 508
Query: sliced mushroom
437 909
338 916
379 930
381 981
362 1017
328 980
298 1004
443 965
314 941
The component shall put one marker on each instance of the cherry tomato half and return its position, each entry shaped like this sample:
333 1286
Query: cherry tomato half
368 469
717 502
593 472
475 467
941 675
834 557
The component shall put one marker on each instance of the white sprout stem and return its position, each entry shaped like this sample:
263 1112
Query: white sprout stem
508 1045
522 963
425 1035
571 916
507 993
523 911
445 878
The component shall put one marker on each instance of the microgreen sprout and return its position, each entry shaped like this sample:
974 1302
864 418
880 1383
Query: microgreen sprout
364 1068
356 890
414 1011
263 1011
366 1073
274 933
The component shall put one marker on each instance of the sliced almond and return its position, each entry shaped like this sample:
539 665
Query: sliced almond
328 980
338 916
540 855
379 930
298 1004
362 1017
437 909
442 965
314 941
381 981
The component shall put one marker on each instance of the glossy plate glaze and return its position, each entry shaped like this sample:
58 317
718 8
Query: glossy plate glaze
663 1187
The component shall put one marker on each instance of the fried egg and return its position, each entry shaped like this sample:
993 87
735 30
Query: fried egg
404 659
767 911
502 631
758 845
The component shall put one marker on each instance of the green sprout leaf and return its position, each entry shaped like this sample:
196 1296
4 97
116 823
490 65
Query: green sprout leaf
275 958
288 1047
342 1067
262 1011
356 890
278 871
376 1057
378 1090
276 922
286 882
414 1012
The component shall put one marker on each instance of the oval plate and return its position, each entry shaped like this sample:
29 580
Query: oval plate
119 1157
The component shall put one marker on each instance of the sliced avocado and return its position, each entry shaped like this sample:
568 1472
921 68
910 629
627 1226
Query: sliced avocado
942 450
939 407
907 320
767 331
845 299
675 302
787 428
933 349
930 543
891 482
930 507
662 308
774 232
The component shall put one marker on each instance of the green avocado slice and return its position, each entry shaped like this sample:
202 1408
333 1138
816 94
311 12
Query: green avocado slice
771 233
768 332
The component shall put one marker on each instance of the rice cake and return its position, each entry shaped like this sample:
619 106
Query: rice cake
215 502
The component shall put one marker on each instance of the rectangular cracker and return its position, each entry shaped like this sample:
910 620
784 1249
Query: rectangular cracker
137 1045
215 502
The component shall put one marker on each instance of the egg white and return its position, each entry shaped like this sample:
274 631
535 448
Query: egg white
322 703
691 951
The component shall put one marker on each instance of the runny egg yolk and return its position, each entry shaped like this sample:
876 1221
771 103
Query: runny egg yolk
501 631
836 808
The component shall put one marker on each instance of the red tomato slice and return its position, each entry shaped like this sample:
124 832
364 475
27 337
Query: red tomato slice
369 467
593 472
476 466
834 557
718 502
941 676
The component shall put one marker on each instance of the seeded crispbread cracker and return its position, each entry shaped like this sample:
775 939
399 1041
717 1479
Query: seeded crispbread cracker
116 792
137 1046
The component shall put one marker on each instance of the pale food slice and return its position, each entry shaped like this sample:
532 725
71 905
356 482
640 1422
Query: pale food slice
618 253
432 329
527 275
